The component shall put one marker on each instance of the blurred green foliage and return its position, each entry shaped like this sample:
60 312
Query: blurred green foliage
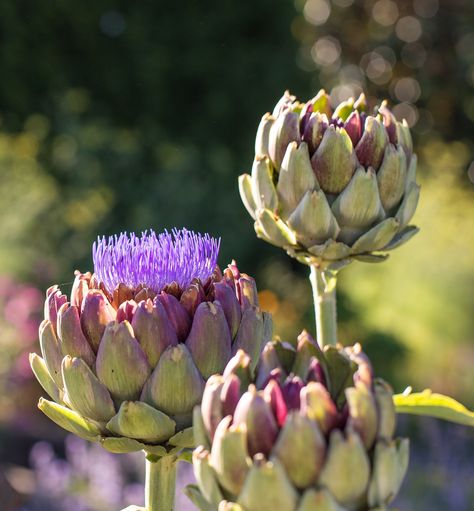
135 115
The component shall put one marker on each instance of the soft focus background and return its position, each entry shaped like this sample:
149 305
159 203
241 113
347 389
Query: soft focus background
129 115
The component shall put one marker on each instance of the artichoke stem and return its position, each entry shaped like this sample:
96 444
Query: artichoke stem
323 283
160 483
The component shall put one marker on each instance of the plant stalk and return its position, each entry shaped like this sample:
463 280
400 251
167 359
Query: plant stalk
160 483
323 283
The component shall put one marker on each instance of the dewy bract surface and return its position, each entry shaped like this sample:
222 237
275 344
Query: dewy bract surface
332 185
125 357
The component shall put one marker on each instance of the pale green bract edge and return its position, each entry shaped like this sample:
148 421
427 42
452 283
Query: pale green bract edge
430 404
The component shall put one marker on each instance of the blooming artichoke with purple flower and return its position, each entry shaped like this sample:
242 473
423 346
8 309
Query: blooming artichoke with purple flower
330 186
125 357
312 430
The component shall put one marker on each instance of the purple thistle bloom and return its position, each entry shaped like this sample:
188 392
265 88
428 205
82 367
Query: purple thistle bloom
154 261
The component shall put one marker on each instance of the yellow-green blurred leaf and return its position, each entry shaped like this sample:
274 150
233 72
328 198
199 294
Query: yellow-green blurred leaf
435 405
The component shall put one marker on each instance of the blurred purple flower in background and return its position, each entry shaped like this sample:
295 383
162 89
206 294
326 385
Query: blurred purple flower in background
87 478
21 306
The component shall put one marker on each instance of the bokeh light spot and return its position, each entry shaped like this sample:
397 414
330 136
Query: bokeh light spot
406 111
326 51
385 12
407 89
317 12
408 29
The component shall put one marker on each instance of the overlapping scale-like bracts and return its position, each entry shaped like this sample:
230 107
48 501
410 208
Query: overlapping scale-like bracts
125 367
310 430
330 186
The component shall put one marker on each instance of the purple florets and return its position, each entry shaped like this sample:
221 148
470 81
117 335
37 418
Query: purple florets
154 261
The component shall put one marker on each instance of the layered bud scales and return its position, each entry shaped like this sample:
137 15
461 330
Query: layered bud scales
312 430
126 357
330 185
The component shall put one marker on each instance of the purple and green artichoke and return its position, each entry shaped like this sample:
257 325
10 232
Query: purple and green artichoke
125 358
332 185
311 430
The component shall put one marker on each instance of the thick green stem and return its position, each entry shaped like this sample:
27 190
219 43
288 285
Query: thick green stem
324 296
160 483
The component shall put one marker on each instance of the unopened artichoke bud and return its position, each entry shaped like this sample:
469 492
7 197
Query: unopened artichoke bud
127 356
332 185
321 439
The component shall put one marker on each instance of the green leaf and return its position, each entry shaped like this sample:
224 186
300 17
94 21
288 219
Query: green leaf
435 405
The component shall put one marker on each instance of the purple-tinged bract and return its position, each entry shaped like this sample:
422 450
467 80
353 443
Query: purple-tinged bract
154 260
125 358
313 430
332 185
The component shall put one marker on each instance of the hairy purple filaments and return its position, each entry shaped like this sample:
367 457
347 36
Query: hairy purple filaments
153 260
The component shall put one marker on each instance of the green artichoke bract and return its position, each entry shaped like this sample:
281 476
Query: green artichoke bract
312 430
126 357
330 186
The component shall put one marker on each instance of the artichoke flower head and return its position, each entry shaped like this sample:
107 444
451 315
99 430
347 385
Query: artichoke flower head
311 430
126 357
330 186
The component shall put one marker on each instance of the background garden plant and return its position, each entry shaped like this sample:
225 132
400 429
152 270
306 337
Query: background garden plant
92 140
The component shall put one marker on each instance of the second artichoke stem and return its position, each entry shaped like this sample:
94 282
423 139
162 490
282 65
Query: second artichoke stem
324 297
160 483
